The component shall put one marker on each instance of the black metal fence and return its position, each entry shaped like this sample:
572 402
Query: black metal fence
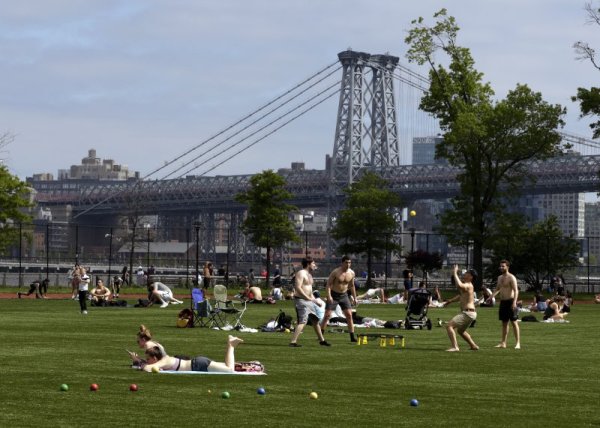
50 249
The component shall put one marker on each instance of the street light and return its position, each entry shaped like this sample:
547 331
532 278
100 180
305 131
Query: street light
110 236
147 227
412 239
197 225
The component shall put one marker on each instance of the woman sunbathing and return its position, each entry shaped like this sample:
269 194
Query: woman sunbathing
155 360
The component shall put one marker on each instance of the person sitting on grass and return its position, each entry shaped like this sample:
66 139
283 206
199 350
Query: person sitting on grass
597 298
100 294
554 310
539 302
156 360
160 293
36 287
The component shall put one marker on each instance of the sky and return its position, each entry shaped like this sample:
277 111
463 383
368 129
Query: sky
143 81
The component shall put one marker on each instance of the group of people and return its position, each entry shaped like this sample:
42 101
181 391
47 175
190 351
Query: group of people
506 289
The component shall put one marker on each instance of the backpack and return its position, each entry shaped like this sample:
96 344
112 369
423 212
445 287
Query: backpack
283 321
185 318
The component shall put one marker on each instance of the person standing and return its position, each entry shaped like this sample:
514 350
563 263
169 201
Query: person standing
340 281
304 302
125 275
462 321
509 294
207 273
83 283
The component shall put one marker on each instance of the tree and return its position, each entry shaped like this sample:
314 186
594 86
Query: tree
536 253
268 221
589 99
425 261
489 141
367 222
14 197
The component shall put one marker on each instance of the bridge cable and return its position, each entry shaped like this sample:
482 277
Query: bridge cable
249 125
271 123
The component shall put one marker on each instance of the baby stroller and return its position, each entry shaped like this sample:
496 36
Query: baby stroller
416 310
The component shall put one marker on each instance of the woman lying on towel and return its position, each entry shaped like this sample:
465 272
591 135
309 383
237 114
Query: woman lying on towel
156 360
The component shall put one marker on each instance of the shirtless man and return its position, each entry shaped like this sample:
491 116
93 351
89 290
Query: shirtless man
304 302
509 293
100 294
339 282
467 305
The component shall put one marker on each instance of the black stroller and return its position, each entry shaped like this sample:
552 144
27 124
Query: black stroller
416 309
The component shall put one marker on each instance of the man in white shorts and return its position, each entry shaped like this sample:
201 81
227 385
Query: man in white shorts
462 321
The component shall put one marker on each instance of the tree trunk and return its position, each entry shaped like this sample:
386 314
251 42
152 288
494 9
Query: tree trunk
478 263
131 252
268 266
369 270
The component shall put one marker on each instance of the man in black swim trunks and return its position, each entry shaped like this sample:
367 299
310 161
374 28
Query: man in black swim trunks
508 290
339 284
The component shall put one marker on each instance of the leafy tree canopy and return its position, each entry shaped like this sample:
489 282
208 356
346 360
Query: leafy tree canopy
535 253
589 99
488 140
268 222
368 222
14 197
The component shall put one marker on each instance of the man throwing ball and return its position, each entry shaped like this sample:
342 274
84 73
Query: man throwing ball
340 281
462 321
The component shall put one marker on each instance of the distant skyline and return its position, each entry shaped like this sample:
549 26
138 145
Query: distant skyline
142 81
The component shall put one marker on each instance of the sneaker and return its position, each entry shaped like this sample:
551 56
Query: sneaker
164 305
83 312
439 323
294 345
324 343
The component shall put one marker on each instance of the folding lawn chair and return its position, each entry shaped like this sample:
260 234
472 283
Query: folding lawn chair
226 312
202 309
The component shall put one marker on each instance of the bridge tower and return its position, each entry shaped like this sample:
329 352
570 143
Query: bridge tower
366 130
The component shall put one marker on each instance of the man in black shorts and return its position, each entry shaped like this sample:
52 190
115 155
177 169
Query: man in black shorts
508 290
340 282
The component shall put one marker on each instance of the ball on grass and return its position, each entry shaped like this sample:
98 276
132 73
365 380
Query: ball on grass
413 213
225 395
261 391
313 395
155 369
414 402
133 387
94 387
64 387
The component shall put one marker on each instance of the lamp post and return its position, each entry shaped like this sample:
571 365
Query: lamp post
147 226
110 237
412 239
197 225
227 257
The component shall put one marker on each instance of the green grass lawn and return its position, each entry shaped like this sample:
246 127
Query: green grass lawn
553 380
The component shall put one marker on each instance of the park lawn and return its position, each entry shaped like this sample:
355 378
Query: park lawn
552 380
